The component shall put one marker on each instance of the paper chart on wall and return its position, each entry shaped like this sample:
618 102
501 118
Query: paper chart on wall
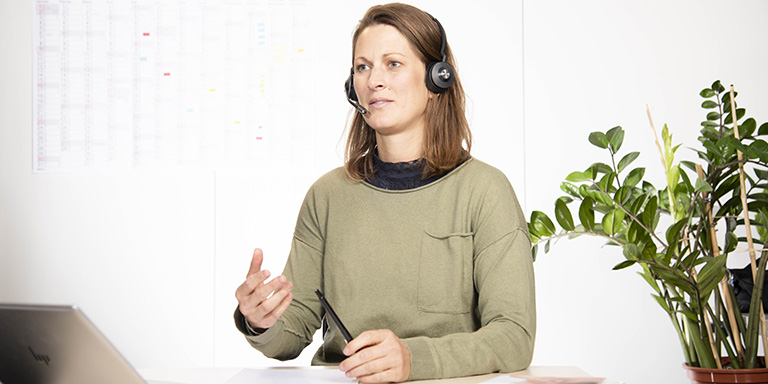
164 84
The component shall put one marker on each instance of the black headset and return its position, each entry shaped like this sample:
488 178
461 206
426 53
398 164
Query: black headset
439 75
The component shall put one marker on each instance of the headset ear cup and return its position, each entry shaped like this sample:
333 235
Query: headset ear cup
349 88
440 76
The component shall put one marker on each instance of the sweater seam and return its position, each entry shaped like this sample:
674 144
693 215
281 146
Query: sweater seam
499 256
299 239
499 239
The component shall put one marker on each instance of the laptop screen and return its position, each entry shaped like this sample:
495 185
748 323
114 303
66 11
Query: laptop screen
57 344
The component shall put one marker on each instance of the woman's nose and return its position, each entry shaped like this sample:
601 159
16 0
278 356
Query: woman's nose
377 79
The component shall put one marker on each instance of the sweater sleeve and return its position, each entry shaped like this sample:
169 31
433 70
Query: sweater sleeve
504 283
294 330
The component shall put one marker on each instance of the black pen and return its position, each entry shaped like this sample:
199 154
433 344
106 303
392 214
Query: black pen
335 318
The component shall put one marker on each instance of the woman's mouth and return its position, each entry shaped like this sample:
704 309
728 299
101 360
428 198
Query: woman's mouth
378 102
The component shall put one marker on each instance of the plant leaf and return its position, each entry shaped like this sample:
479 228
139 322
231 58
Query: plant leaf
623 195
673 177
762 175
570 189
563 215
673 232
623 264
711 274
533 233
542 223
599 139
627 160
747 127
638 204
649 214
634 177
613 222
731 241
717 86
587 214
726 101
762 229
758 149
733 144
754 311
739 114
615 137
707 93
646 274
702 186
577 177
662 302
631 252
606 183
684 176
763 130
601 168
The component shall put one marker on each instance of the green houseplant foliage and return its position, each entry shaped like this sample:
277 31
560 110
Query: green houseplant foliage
664 228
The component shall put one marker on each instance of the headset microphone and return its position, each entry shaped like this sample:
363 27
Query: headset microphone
352 95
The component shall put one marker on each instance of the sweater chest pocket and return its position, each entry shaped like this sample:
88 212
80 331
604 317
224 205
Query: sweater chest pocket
445 273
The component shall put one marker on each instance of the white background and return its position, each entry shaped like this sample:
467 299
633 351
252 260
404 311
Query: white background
154 257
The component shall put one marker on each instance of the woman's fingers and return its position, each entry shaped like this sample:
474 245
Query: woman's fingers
251 284
263 302
377 356
258 257
271 317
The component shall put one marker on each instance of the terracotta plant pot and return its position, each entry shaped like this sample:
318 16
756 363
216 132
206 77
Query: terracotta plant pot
727 376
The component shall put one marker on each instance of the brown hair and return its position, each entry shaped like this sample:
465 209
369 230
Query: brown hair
446 128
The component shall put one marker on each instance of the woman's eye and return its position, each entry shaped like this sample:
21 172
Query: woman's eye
394 64
361 67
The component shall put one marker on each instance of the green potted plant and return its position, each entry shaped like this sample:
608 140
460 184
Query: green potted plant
680 232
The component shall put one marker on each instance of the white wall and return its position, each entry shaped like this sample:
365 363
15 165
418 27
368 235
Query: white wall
154 257
592 65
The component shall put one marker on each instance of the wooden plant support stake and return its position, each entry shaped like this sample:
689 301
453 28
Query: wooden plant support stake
724 289
747 226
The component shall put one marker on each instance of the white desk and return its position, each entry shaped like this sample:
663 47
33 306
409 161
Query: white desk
306 375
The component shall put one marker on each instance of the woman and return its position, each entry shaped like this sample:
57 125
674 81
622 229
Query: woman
422 250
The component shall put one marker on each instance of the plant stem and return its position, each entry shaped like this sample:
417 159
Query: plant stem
577 233
615 170
705 322
724 338
683 342
630 215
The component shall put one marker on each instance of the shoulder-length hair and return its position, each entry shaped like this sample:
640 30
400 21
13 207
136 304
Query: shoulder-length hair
447 138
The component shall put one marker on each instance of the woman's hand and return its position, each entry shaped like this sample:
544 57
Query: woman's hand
377 357
259 308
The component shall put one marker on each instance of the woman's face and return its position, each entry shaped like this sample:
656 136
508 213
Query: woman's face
389 81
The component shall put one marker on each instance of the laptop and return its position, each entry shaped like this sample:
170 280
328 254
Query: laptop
41 344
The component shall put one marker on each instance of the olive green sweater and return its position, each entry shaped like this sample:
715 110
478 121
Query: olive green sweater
446 266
